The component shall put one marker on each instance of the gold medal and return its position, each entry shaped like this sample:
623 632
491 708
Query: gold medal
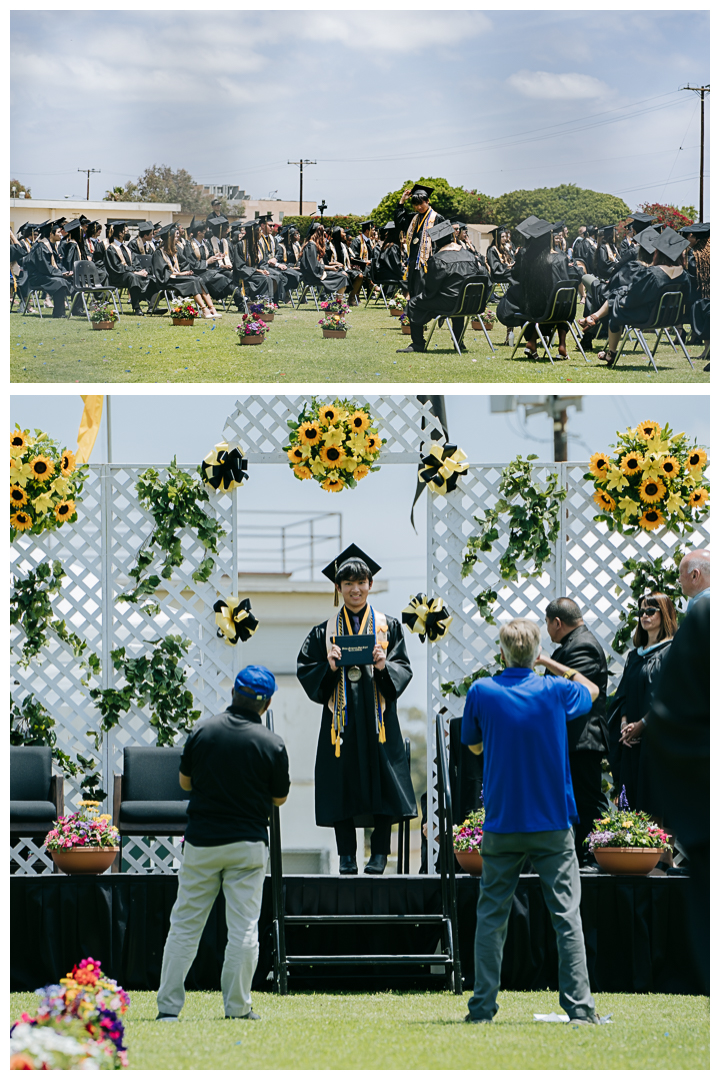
354 674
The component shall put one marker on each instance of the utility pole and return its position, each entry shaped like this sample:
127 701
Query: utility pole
88 171
702 91
301 162
552 405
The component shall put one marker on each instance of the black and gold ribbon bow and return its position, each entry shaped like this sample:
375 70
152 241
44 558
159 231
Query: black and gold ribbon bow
224 468
427 617
235 620
442 468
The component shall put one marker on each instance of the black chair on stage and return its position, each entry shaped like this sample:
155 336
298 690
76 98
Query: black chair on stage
86 281
473 302
36 796
560 310
668 315
147 797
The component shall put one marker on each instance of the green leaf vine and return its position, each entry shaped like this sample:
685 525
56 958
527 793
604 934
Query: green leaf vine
32 612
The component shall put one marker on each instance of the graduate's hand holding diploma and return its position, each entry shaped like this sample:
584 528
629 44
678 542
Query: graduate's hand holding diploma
334 654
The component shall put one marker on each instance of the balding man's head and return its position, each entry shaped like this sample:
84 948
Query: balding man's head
694 572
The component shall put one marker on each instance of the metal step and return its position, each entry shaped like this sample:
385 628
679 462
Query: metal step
349 920
412 958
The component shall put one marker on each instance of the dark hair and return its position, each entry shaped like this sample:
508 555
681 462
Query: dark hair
353 570
250 704
419 197
93 229
661 259
668 619
537 279
564 609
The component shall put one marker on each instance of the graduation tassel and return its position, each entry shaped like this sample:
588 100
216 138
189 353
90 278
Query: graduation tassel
382 731
337 748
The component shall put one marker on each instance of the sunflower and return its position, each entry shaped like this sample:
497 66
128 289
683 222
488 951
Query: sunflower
17 495
359 420
309 433
332 455
696 459
699 497
330 415
669 467
21 520
64 510
297 454
333 436
361 472
651 519
302 472
648 430
333 485
604 501
18 442
373 444
631 463
599 465
652 491
42 467
67 463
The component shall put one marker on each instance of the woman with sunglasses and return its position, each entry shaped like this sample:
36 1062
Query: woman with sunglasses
653 636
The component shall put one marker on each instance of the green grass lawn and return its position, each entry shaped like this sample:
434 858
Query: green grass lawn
414 1031
153 350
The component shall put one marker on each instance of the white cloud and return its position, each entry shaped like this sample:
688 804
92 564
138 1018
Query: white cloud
393 31
569 85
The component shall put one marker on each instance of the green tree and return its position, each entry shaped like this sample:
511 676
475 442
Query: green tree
19 186
160 184
451 202
574 205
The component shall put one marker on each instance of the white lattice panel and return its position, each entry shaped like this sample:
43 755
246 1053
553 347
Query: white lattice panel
586 565
259 426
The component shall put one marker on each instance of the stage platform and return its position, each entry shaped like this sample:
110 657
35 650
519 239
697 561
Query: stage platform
636 931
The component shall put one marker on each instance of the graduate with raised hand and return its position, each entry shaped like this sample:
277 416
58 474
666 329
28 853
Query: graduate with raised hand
362 778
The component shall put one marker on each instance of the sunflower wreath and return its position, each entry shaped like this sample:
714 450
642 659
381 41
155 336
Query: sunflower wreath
235 620
224 468
45 483
427 617
650 479
335 444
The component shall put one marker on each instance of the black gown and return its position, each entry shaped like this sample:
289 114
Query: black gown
634 303
166 278
118 262
604 261
195 256
314 272
387 267
447 273
369 777
499 271
513 309
403 221
257 286
45 271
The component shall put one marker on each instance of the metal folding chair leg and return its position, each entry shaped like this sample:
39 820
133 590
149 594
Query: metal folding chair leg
520 339
576 339
545 344
452 335
433 325
681 343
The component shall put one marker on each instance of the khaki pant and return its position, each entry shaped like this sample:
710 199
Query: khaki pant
239 870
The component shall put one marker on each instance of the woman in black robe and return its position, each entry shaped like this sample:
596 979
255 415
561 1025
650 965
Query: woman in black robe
698 271
387 265
606 254
203 264
337 257
312 264
362 776
45 272
168 275
500 259
95 251
253 283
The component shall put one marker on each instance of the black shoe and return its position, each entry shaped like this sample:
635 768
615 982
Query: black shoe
348 865
166 1016
376 864
472 1020
248 1016
594 1019
137 311
410 348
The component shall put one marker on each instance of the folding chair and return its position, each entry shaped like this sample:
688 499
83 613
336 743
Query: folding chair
666 317
560 309
472 302
394 285
87 283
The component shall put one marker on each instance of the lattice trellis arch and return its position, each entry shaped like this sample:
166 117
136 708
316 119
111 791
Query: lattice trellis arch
586 564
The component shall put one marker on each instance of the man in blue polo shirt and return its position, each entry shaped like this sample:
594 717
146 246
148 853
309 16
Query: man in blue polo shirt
519 721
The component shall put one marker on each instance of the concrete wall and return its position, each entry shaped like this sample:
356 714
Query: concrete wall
37 210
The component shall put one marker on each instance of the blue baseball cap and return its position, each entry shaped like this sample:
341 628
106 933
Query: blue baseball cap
255 682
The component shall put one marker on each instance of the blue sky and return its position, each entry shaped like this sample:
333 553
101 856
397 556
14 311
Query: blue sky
376 515
491 100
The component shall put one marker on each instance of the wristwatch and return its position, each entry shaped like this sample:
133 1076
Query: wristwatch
570 673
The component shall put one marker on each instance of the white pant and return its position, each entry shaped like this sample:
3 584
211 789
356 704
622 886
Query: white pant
239 869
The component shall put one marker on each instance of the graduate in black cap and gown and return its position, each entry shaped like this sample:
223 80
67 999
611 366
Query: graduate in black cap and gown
638 223
500 258
287 254
200 260
255 284
168 275
362 245
118 260
20 248
698 271
45 270
387 264
337 256
606 254
416 223
362 777
312 263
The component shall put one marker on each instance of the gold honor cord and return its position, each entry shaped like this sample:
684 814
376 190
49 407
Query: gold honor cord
339 699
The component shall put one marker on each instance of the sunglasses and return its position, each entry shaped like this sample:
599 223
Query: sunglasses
648 609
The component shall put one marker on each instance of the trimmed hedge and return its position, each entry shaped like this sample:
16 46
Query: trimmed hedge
349 222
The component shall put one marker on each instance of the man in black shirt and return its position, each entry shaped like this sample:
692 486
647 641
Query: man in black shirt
235 770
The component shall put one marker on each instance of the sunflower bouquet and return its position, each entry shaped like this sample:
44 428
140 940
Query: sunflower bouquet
650 479
335 444
45 483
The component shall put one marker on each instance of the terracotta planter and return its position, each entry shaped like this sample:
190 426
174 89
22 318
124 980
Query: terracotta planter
471 862
182 322
267 318
406 328
84 860
627 860
396 312
252 339
109 325
334 333
478 324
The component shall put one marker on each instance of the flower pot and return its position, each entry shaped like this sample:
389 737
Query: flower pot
109 325
627 860
252 339
182 322
471 862
406 328
334 333
396 312
267 318
84 860
478 324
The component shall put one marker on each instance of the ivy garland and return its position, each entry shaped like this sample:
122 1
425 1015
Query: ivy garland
32 725
31 610
175 505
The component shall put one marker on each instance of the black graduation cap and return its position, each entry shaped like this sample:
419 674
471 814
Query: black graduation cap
640 221
214 220
84 220
114 224
195 225
702 228
70 225
671 244
421 189
351 552
648 239
167 229
145 226
441 231
47 227
534 228
363 224
591 230
157 224
388 225
558 226
607 231
22 229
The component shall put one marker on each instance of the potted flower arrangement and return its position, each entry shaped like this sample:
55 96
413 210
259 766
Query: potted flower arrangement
184 313
263 309
334 322
649 479
397 304
627 842
405 323
83 842
45 483
251 330
334 444
467 842
77 1024
486 319
103 316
